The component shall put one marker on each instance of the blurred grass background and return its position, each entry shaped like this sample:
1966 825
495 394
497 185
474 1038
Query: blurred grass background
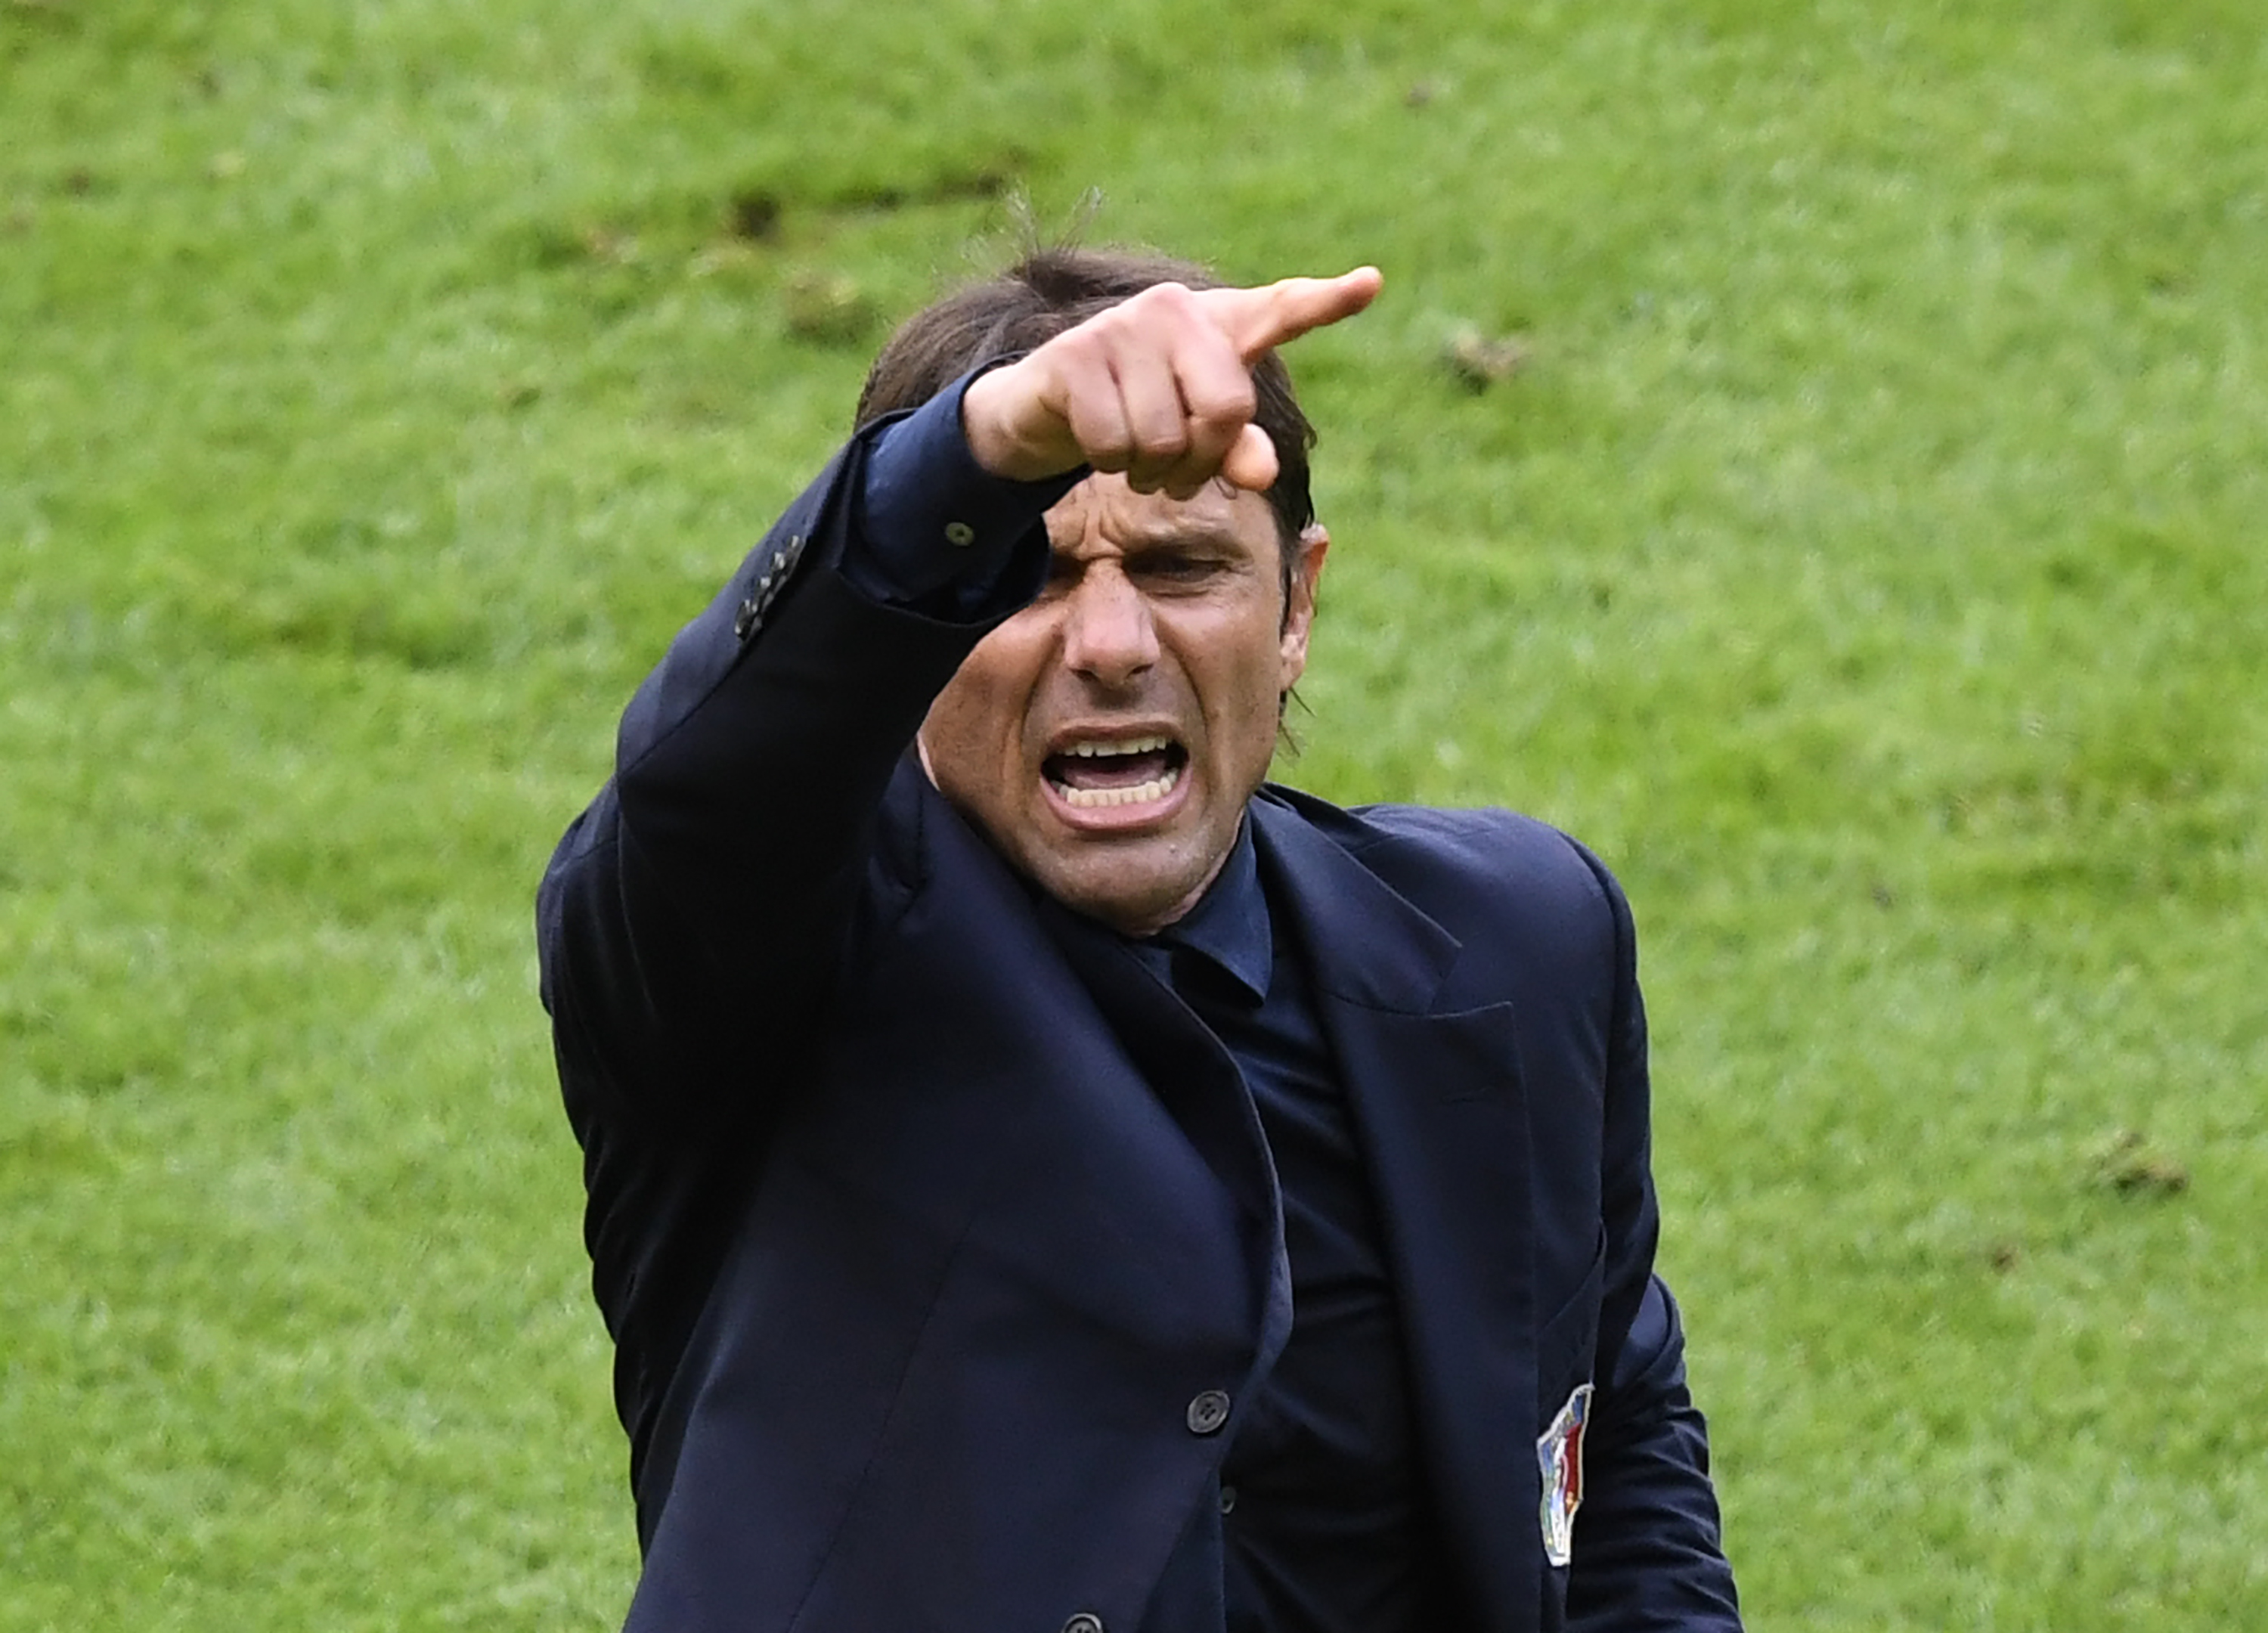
1860 542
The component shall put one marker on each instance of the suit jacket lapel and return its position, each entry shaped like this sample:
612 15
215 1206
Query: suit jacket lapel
1202 1089
1436 1098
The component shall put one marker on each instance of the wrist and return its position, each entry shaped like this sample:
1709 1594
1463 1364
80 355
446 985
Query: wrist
988 421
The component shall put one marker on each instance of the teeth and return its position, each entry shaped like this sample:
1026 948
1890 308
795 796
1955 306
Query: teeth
1099 751
1141 794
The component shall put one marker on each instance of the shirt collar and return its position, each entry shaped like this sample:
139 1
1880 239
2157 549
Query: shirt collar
1229 924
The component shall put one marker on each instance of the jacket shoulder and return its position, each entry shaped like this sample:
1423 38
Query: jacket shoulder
1470 868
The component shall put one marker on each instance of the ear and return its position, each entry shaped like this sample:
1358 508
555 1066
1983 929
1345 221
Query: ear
1299 610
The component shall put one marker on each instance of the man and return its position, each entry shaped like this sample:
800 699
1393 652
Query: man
1042 1178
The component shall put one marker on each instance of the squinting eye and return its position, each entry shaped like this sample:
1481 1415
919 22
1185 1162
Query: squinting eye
1179 567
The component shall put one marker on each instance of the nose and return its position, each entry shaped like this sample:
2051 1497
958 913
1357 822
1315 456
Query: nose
1108 635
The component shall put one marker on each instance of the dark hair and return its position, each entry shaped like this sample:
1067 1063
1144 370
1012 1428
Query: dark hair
1049 290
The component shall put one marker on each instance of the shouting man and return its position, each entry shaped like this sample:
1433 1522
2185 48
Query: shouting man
1042 1178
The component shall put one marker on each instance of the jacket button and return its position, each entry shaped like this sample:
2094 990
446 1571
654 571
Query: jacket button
1086 1622
1208 1411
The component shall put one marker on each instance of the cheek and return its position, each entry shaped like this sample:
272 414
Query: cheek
955 733
977 721
1245 675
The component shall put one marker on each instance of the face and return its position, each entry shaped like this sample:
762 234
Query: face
1108 736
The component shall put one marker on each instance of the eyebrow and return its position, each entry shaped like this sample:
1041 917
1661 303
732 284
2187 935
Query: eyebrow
1200 537
1206 536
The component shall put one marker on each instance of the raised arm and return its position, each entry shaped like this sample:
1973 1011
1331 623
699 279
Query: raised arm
694 918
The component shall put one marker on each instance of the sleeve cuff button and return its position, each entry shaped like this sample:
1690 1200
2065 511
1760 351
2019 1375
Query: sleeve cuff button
960 534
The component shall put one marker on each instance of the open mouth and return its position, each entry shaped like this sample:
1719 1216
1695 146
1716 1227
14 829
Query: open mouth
1095 774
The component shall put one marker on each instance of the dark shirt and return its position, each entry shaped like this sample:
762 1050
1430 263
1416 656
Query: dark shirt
1322 1506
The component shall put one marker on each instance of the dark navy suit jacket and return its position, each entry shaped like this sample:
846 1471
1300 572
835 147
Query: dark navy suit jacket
921 1214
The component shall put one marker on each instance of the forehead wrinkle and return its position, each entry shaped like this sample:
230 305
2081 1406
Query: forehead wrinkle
1103 517
1150 532
1200 535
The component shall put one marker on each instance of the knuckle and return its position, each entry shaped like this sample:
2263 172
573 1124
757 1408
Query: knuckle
1167 443
1205 451
1160 308
1107 448
1224 400
1072 349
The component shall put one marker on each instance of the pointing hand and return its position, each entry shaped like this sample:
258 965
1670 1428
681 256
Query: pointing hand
1159 387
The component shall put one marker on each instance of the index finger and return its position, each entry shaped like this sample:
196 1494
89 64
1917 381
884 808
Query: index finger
1256 319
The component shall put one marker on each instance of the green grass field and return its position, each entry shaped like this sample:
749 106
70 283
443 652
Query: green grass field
1865 557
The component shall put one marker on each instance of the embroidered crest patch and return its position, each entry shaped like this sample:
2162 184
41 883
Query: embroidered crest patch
1559 1455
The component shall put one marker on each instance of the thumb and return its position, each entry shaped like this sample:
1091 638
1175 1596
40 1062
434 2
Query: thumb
1250 462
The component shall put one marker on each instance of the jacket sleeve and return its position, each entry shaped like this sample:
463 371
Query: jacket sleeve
695 917
1648 1552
